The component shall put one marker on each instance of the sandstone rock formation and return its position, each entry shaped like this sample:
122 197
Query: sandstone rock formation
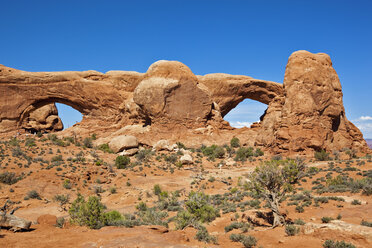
169 102
311 113
44 118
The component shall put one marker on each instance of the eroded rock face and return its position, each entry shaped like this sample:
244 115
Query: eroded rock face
44 118
311 113
170 93
169 102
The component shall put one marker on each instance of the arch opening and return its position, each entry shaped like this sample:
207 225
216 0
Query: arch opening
50 115
245 113
68 115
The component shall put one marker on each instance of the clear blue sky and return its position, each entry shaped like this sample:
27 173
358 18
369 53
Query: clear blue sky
252 38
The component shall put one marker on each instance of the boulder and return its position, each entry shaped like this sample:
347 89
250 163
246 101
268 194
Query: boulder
162 145
129 152
47 219
122 142
230 162
339 225
186 159
170 93
44 118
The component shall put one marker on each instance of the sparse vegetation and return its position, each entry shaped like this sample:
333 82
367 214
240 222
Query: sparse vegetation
247 241
321 155
291 230
235 142
272 180
33 194
87 213
121 162
337 244
105 148
9 178
366 223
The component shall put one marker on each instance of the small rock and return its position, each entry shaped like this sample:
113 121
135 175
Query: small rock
162 145
184 151
129 152
230 162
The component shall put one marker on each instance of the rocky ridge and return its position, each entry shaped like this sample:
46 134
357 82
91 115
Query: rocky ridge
169 102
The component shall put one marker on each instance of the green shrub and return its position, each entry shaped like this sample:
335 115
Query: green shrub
198 205
338 244
57 158
219 152
171 158
87 213
60 222
9 178
152 216
258 152
356 202
235 142
237 225
62 199
88 143
141 206
105 148
367 188
300 209
366 223
67 184
17 152
144 155
213 151
14 142
184 219
157 189
113 190
121 162
351 152
299 222
52 137
247 241
321 156
203 235
291 230
33 194
30 142
327 219
112 218
211 179
243 153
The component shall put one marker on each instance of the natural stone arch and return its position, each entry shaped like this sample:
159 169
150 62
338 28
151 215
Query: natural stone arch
42 115
304 114
229 90
40 103
96 95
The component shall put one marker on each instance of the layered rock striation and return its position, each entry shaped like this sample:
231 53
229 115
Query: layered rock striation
304 114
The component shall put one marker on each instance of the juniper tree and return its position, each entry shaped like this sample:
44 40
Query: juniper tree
272 180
